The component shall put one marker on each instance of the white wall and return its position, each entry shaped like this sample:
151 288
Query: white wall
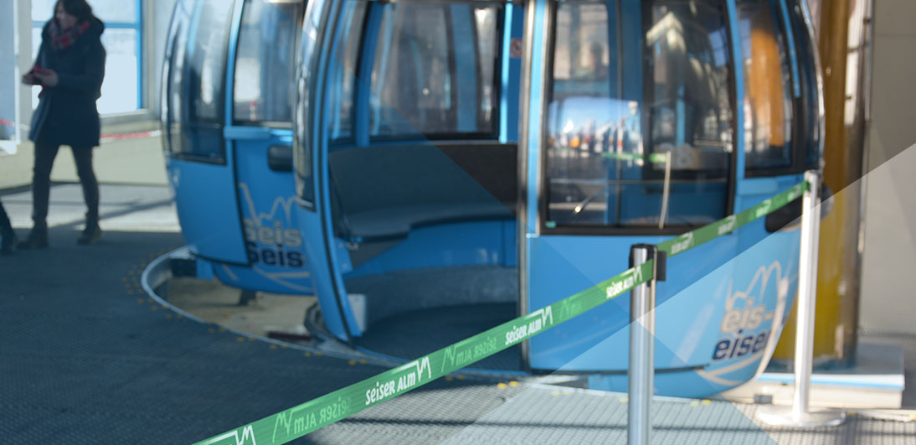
7 69
15 169
889 282
159 14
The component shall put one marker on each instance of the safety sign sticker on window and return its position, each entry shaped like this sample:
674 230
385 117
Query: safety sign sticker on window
515 48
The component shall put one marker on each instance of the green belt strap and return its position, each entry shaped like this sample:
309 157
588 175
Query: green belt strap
310 416
709 232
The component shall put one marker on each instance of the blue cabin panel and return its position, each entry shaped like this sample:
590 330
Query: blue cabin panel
563 266
208 214
274 242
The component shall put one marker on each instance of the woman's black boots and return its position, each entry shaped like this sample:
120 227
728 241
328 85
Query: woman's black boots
7 235
8 244
91 234
38 238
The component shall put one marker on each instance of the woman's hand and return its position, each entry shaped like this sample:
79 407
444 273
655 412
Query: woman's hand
29 79
48 78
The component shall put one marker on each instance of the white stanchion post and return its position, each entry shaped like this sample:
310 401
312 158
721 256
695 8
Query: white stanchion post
800 413
641 371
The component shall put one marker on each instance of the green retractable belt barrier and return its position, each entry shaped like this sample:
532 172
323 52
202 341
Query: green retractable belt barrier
300 420
709 232
656 158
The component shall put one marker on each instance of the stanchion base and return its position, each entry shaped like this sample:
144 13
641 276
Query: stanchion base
786 416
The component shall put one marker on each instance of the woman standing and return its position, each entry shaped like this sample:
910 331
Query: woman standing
70 68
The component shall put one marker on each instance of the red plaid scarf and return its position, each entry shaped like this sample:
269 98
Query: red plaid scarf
62 39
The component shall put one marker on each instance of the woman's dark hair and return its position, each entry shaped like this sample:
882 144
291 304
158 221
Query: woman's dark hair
77 8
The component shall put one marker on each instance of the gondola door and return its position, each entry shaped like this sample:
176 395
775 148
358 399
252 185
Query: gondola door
618 92
261 92
318 55
200 166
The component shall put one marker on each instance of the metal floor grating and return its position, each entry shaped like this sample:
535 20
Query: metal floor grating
543 415
487 414
414 334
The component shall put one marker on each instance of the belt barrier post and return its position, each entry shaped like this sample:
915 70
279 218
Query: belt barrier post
800 413
641 371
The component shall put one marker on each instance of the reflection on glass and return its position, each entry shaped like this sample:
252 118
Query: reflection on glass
768 120
197 67
582 52
485 22
309 52
426 79
343 88
809 138
265 63
208 59
173 109
612 131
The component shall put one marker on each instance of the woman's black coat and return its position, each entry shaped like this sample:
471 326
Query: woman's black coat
66 113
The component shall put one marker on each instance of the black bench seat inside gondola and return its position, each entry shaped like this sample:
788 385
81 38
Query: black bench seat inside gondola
383 191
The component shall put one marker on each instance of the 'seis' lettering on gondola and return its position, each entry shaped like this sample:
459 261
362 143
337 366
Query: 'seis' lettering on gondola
273 246
740 346
740 327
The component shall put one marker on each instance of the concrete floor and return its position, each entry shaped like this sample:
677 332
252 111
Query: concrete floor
217 303
908 343
123 208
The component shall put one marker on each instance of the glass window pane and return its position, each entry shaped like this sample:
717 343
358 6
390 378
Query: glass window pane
487 35
768 126
265 63
343 89
122 81
690 77
123 11
9 85
42 10
582 52
422 82
176 53
809 120
309 52
197 69
119 89
207 60
611 130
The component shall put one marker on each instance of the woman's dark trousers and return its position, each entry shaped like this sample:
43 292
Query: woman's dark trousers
6 229
41 182
7 236
5 226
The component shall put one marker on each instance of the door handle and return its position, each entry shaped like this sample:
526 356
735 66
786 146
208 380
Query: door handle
280 158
